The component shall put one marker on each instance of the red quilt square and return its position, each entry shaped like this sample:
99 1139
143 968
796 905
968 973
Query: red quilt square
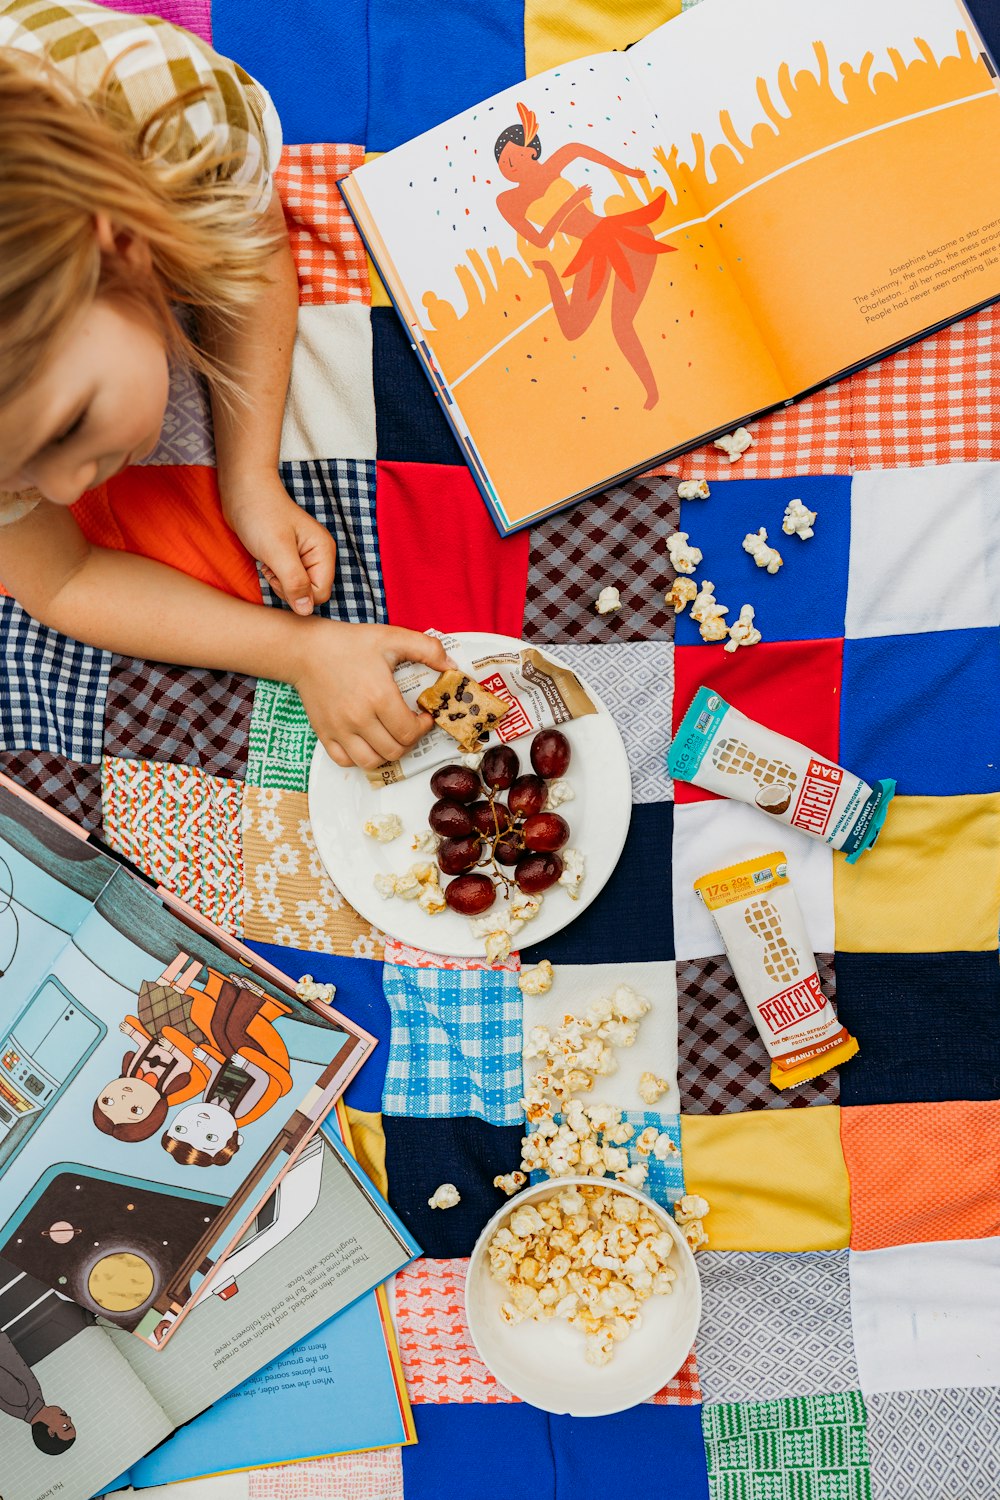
444 564
791 686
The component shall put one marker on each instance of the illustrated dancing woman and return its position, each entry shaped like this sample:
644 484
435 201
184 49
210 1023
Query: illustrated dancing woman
616 250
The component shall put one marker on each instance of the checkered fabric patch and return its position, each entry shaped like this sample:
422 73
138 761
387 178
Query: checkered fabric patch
665 1182
801 1448
55 689
340 494
181 828
329 254
455 1047
617 538
71 788
811 437
938 1445
722 1063
190 717
281 739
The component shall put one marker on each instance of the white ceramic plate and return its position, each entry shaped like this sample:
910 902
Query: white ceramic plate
544 1362
342 800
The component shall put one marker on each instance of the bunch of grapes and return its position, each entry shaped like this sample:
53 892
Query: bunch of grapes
494 830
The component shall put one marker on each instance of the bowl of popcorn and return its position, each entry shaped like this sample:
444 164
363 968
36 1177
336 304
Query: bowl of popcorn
582 1296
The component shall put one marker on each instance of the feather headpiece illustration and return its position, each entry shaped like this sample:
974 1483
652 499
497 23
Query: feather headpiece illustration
529 123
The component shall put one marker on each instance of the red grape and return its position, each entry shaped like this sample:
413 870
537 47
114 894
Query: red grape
507 851
536 872
527 796
470 894
550 753
457 783
450 819
546 831
499 767
456 855
490 818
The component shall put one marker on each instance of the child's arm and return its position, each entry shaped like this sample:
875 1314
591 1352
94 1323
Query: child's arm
297 553
138 607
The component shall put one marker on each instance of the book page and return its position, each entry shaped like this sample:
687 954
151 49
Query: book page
846 156
574 334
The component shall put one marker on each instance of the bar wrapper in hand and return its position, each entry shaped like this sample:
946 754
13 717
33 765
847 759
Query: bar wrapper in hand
754 907
540 694
720 749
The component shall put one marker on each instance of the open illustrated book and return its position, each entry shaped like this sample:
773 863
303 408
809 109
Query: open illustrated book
324 1239
625 256
156 1079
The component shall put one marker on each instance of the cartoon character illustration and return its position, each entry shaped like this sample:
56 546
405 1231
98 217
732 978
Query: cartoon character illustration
21 1396
218 1042
616 250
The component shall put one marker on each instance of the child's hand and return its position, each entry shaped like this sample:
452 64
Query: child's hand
297 555
344 679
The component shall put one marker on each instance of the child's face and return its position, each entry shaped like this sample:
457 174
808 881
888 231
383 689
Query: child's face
208 1127
126 1100
97 406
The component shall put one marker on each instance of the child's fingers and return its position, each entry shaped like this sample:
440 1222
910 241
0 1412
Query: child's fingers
288 568
319 557
401 722
337 753
413 645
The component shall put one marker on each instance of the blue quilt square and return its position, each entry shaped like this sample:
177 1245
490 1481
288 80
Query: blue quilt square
906 1010
456 1043
631 921
469 1452
311 57
56 689
420 1155
340 494
359 997
650 1450
409 423
426 65
924 710
806 600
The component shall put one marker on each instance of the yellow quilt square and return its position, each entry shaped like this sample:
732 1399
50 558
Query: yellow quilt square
773 1179
931 884
556 31
368 1141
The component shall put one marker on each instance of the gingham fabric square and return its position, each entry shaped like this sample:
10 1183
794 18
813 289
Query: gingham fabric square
617 538
684 1388
182 829
456 1043
935 1445
811 437
340 494
722 1063
665 1182
71 788
281 739
55 688
775 1324
635 679
802 1448
329 255
189 716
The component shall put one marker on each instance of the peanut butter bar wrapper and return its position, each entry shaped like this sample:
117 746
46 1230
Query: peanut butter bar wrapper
761 924
539 693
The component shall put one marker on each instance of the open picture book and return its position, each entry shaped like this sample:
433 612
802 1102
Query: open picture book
290 1326
157 1080
628 255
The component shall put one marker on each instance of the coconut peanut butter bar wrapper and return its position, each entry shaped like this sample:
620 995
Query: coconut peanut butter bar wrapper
720 749
754 907
537 692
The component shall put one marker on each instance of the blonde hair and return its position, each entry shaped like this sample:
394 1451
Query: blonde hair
64 159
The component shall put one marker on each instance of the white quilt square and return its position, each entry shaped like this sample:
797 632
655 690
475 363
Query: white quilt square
925 550
330 412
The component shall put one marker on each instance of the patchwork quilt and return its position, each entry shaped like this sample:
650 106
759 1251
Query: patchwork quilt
850 1345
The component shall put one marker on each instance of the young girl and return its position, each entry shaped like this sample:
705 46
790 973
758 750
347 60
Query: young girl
136 166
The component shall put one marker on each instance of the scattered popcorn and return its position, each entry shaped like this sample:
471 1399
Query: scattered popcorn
734 444
693 489
385 885
713 629
498 928
308 990
410 884
652 1088
571 878
431 900
684 559
560 791
426 841
384 828
799 520
744 632
680 596
688 1214
510 1183
498 947
536 981
472 759
694 1233
665 1147
608 600
755 542
589 1255
446 1196
709 613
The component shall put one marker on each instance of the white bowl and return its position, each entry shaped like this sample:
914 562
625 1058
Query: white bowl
544 1362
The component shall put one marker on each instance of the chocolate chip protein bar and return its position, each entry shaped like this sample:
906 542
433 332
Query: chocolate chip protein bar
720 749
463 708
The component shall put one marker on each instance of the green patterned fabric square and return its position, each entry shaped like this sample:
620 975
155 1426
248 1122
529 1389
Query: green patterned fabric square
799 1448
281 739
